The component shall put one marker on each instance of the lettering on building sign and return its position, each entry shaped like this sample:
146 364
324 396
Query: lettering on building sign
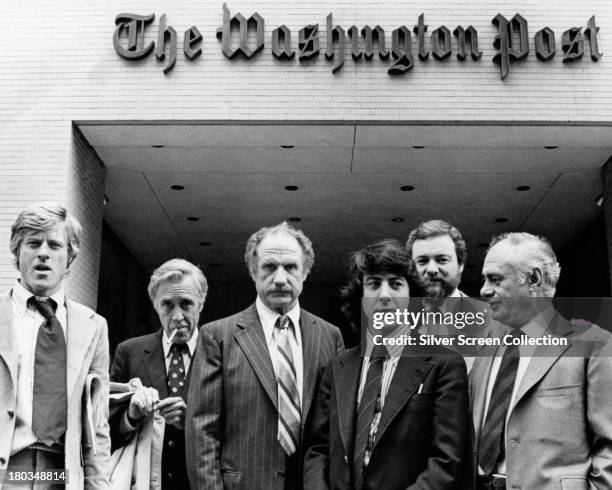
243 37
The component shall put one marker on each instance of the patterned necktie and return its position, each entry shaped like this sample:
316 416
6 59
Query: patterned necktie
176 370
368 406
289 411
491 446
50 399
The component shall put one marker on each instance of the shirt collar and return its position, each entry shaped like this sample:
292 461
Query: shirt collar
268 317
191 343
538 325
455 294
21 296
395 351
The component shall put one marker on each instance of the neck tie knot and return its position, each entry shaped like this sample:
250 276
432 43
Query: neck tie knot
179 348
46 307
282 322
379 352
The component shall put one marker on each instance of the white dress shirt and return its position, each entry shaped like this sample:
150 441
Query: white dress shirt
187 356
535 328
268 318
26 322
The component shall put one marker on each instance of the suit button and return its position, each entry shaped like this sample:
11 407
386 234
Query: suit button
345 459
10 413
170 443
169 476
2 461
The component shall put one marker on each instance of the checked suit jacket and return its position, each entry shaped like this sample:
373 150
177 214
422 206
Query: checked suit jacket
559 429
232 417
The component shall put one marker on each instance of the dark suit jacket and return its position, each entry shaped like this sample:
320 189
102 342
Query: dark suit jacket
143 357
232 420
421 439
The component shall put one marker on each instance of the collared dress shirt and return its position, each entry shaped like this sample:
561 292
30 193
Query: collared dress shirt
27 320
268 318
535 328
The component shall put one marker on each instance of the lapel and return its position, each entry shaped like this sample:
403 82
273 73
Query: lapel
8 352
409 374
80 331
155 365
251 339
346 380
188 374
544 357
311 340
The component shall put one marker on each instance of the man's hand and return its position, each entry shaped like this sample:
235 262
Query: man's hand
143 403
173 410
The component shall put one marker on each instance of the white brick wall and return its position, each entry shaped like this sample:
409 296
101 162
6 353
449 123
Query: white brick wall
84 197
59 66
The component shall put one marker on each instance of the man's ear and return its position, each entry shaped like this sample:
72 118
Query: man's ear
461 268
535 277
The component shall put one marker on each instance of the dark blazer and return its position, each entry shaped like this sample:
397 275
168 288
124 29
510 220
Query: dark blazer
232 420
143 357
421 439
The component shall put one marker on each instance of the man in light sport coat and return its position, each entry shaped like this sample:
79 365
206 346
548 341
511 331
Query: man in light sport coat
543 420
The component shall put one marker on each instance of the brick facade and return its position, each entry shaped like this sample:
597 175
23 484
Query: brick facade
59 66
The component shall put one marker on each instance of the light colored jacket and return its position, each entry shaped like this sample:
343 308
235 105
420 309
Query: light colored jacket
137 464
87 353
559 431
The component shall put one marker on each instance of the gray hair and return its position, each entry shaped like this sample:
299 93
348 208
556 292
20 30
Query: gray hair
538 254
250 255
42 217
174 270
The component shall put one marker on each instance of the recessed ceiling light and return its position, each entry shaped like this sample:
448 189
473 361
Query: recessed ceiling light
599 200
294 219
204 244
522 188
177 187
291 187
398 220
407 188
192 218
501 220
287 147
157 146
551 147
418 147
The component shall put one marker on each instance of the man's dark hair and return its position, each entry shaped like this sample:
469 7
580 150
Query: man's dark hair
435 228
385 256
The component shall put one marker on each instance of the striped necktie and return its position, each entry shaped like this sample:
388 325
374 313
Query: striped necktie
289 411
368 407
491 444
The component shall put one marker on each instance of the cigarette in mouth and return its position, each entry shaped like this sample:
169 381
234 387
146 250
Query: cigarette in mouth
172 335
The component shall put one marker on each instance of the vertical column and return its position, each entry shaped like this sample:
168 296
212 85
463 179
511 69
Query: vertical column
85 198
607 207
